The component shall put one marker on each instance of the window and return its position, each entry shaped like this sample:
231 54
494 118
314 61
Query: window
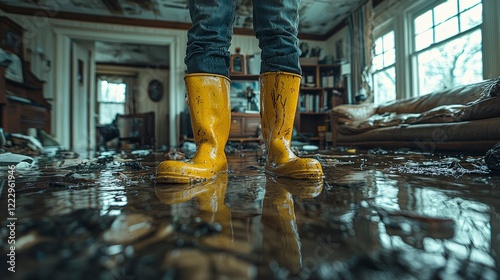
447 45
384 68
111 98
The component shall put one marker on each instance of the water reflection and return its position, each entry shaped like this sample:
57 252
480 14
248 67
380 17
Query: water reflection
281 242
370 219
203 205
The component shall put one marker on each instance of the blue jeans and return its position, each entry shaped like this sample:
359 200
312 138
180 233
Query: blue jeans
275 25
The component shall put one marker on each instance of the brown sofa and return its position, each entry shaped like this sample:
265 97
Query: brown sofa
464 118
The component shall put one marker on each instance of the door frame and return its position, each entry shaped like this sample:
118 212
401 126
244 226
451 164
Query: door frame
65 34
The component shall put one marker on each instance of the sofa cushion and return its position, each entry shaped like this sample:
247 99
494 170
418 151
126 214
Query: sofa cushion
347 112
377 121
484 129
461 95
482 109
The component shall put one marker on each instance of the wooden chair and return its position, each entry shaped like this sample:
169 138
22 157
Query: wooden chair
137 129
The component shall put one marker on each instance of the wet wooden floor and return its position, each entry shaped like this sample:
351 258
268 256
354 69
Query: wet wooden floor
377 215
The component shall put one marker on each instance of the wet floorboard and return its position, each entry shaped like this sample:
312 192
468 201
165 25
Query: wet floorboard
377 215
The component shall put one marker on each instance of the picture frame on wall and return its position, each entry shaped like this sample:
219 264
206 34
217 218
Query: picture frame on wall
339 50
237 64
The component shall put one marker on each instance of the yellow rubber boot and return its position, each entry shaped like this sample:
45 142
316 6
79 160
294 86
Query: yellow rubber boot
208 98
278 100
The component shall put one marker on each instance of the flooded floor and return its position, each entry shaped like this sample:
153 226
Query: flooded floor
377 215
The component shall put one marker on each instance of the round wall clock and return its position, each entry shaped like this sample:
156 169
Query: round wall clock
155 90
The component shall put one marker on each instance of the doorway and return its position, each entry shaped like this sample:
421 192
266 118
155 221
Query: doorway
68 123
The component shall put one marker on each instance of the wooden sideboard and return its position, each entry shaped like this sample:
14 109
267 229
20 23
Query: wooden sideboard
244 125
22 104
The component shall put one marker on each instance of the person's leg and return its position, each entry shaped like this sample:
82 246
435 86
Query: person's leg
210 36
275 24
207 85
276 27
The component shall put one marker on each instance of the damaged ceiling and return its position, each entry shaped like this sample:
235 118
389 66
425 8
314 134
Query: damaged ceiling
131 54
317 17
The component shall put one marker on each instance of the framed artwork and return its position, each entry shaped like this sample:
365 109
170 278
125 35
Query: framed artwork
155 90
339 49
237 64
81 67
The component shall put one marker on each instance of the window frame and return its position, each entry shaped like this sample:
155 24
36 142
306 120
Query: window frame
379 31
98 107
410 35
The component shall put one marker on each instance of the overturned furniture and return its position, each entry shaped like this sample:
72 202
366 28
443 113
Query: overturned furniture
464 118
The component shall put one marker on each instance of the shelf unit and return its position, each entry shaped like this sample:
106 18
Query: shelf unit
322 88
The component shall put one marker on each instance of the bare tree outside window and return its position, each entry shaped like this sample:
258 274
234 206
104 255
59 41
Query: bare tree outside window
448 45
384 68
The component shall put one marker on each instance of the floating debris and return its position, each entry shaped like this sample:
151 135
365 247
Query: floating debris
436 169
492 158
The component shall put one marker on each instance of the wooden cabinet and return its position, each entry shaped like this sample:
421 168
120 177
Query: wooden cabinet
322 88
244 125
22 105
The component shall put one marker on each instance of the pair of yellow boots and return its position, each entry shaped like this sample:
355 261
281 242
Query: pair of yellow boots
208 98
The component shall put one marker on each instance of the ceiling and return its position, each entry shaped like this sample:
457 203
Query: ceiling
318 20
131 54
317 17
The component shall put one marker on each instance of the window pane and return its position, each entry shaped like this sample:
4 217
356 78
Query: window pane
466 4
424 40
471 18
447 29
379 47
111 92
423 22
389 41
108 111
378 62
445 11
385 85
389 57
454 63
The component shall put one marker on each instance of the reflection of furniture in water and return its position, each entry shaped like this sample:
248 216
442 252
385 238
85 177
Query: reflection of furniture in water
137 128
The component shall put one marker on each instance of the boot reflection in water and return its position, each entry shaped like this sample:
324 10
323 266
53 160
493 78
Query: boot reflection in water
207 200
208 204
281 241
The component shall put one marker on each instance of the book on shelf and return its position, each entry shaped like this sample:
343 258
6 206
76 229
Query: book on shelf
310 103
